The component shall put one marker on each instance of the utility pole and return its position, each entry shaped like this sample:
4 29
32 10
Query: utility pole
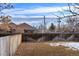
59 21
44 24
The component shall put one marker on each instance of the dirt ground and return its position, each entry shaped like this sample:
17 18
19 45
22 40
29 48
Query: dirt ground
43 49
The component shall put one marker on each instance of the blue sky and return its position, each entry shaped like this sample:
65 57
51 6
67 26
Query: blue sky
40 6
34 5
22 12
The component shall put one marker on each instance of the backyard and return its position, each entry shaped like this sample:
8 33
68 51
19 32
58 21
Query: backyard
48 49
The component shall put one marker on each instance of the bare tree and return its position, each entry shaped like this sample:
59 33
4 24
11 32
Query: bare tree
71 23
5 6
72 18
73 9
5 19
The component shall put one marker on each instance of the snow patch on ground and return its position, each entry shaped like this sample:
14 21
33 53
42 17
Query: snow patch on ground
72 45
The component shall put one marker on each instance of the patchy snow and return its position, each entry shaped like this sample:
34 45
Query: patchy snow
72 45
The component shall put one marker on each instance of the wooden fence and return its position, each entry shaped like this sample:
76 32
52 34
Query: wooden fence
9 44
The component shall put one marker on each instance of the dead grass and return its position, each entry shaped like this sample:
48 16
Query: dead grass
41 49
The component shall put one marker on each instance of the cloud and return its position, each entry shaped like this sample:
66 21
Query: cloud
41 10
18 16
